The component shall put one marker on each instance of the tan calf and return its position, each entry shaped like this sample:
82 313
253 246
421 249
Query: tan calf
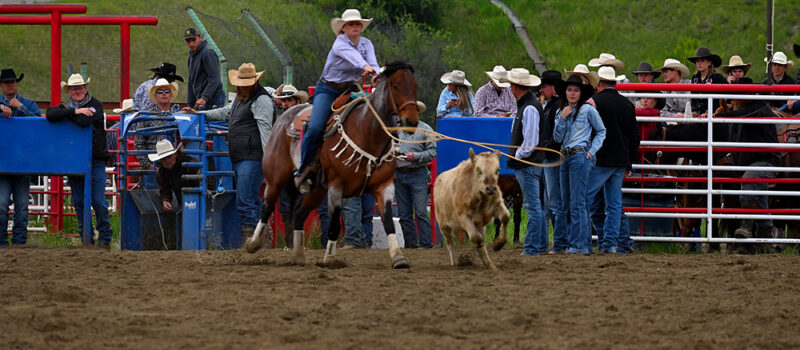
467 199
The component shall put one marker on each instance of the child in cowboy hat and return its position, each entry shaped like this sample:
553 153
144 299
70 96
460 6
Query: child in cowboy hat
735 69
84 110
456 100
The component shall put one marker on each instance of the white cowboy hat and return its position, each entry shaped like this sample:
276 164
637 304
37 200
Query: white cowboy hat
127 105
289 90
521 76
497 73
164 149
607 73
780 58
455 77
74 80
349 15
583 71
607 59
421 107
246 75
735 62
674 64
160 83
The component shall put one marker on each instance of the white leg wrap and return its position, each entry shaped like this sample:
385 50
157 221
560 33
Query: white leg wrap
394 247
297 239
257 232
330 250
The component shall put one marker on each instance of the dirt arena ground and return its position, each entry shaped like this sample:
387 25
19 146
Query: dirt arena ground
77 298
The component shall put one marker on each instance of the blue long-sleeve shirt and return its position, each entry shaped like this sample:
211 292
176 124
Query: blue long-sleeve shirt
530 132
346 61
454 111
27 109
577 131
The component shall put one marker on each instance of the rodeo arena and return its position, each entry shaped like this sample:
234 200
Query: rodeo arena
632 213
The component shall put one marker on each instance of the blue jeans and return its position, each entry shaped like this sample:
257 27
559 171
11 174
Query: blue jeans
529 179
552 181
248 183
574 178
324 96
357 217
761 201
610 181
19 187
411 194
99 203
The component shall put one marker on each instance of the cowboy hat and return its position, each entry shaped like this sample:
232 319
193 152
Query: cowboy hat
9 75
607 73
704 52
74 80
497 73
421 107
647 68
586 90
780 58
583 71
796 49
455 77
127 105
521 76
160 83
606 59
671 63
164 149
291 91
349 15
551 77
246 75
167 70
735 62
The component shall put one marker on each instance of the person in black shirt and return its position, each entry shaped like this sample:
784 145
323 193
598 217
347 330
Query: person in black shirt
706 63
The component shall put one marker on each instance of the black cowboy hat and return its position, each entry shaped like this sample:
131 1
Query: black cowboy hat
167 70
9 75
796 50
552 77
647 68
704 52
586 90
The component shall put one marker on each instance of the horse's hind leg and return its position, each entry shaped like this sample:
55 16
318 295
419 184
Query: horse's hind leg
384 198
335 210
258 238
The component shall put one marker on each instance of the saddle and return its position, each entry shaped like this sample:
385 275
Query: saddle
297 127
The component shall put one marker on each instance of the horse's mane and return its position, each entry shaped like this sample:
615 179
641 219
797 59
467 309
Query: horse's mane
394 66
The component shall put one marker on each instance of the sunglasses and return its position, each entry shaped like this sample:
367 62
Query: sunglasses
163 91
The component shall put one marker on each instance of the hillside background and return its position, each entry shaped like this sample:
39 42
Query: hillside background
435 36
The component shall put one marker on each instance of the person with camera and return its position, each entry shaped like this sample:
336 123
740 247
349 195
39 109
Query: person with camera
457 99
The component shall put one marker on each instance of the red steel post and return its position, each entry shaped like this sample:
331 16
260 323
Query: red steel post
42 8
125 61
57 182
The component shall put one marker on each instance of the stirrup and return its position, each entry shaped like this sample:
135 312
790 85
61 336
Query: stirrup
302 181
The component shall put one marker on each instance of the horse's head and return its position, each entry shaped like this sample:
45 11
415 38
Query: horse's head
400 88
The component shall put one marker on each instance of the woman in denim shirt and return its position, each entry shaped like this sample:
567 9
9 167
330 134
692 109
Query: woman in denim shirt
575 124
457 99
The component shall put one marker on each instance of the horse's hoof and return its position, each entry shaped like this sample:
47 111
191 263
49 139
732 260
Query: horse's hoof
497 245
253 246
400 262
299 259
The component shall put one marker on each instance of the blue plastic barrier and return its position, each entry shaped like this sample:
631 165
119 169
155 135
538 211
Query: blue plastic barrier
33 145
494 130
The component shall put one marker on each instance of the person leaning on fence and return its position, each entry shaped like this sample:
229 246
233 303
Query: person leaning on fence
528 133
551 103
575 124
674 72
706 62
249 119
779 66
495 99
141 100
16 186
204 87
457 99
161 93
84 110
411 179
646 75
170 171
613 161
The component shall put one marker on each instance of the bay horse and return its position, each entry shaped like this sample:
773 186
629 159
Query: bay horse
358 157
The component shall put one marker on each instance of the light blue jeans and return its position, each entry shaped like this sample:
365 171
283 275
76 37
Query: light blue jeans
552 181
529 179
98 198
609 180
411 194
357 218
574 180
248 183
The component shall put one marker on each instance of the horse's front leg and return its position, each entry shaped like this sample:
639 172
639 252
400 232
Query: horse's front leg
335 211
384 198
257 240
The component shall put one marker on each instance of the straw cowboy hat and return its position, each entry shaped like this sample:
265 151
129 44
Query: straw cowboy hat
9 75
780 58
455 77
288 90
607 73
735 62
586 90
521 76
647 68
160 83
497 73
164 149
583 71
74 80
672 63
127 105
349 15
704 52
246 75
607 59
